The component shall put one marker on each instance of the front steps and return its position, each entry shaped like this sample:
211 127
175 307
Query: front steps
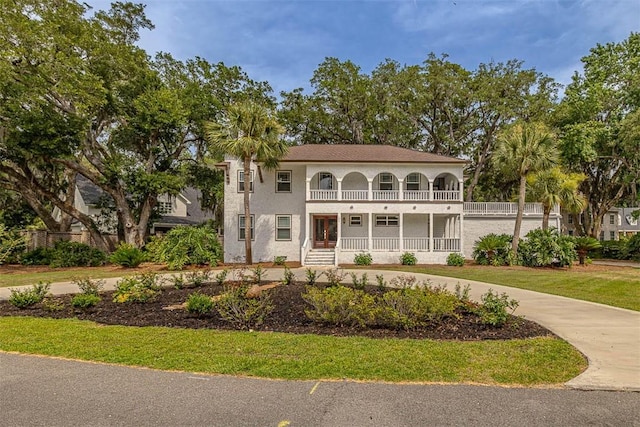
320 257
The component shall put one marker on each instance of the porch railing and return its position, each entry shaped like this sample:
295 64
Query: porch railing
446 195
446 245
385 195
503 208
323 195
386 244
416 195
355 194
420 244
355 243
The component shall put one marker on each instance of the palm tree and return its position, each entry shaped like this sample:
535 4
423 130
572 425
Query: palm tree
250 132
584 245
523 149
554 187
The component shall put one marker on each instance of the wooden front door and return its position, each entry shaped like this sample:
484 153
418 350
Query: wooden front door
325 231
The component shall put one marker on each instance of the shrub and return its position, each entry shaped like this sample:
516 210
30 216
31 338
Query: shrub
584 245
187 245
258 274
415 307
199 304
11 242
279 260
493 310
404 281
30 296
359 283
455 259
288 276
85 300
221 276
52 304
408 258
140 288
128 256
363 258
632 248
335 276
340 305
38 256
88 286
546 247
312 276
178 281
234 307
74 254
493 249
197 278
382 284
463 293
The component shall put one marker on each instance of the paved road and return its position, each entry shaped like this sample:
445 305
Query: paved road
39 391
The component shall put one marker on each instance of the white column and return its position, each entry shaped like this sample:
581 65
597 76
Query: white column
339 226
370 226
370 188
431 232
461 186
400 189
308 188
401 232
430 185
461 220
339 188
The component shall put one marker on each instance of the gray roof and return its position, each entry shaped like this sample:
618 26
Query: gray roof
353 153
627 220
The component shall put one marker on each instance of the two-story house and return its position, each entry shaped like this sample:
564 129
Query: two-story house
326 203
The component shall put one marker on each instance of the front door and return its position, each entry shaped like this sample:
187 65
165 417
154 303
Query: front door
325 231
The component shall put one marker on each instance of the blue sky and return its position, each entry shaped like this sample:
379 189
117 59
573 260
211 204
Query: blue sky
283 41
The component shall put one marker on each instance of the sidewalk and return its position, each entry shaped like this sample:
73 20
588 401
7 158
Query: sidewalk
608 336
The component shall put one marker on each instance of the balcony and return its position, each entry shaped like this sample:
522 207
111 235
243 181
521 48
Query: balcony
383 195
504 208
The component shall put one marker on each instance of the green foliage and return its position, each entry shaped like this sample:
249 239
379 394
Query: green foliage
30 296
455 259
416 307
340 305
543 248
493 249
127 255
52 304
279 260
11 242
584 245
382 284
408 258
221 276
362 258
632 248
258 274
493 310
611 249
198 278
234 307
359 283
187 245
74 254
38 256
139 288
312 276
85 301
335 276
89 286
199 304
404 281
178 281
463 293
288 276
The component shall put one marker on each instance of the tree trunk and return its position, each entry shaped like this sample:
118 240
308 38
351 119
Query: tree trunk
518 226
247 211
546 212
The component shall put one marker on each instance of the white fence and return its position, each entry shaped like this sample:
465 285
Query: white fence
504 208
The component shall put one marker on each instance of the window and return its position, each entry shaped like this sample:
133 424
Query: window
413 182
325 181
283 182
612 235
570 232
612 219
241 182
386 182
283 227
355 220
386 220
165 208
570 219
242 227
601 236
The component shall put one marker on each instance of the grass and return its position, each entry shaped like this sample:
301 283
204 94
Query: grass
540 361
615 286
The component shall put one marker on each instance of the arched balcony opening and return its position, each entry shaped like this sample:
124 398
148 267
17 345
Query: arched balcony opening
324 186
446 187
355 187
386 187
416 187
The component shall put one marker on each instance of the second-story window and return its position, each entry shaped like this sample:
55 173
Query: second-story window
386 182
283 182
241 182
413 182
612 219
165 208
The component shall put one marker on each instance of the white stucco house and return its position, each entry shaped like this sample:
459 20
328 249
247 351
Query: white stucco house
326 203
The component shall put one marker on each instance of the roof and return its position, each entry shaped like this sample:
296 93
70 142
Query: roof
91 193
629 223
353 153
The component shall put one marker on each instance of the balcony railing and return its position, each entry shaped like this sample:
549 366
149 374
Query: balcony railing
416 195
386 244
419 244
446 245
323 195
355 243
355 194
385 195
503 208
446 195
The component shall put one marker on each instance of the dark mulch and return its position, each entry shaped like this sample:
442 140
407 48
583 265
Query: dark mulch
287 316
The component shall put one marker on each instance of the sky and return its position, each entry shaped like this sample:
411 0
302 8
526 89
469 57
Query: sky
284 41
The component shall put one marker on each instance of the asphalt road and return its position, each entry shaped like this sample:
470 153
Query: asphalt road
40 391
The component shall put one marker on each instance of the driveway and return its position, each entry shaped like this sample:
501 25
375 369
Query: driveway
608 336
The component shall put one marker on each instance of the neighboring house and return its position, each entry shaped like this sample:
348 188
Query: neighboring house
327 203
628 224
183 209
609 226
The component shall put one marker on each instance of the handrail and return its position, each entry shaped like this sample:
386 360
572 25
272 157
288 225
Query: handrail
304 250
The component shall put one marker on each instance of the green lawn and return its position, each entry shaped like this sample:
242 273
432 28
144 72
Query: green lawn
616 286
541 361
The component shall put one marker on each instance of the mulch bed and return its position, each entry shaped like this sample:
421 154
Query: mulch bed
287 316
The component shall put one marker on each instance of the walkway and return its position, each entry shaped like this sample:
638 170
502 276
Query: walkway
608 336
